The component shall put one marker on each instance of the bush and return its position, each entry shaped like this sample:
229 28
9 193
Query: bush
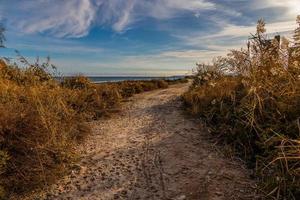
129 88
93 101
78 82
38 129
254 105
96 100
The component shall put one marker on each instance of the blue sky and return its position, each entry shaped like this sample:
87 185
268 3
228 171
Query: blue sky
136 37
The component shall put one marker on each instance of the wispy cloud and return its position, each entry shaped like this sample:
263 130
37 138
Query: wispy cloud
231 33
292 6
59 18
75 18
126 16
204 55
229 37
168 8
99 35
61 49
236 31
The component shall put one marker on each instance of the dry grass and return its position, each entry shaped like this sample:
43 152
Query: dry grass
96 100
251 100
42 120
38 128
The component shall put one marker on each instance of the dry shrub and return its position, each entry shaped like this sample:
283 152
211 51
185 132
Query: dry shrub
129 88
38 129
251 100
78 82
97 100
91 100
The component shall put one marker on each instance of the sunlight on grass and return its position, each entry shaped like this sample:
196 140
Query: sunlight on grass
251 100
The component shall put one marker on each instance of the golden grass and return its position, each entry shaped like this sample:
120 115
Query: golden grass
38 128
251 100
96 100
42 120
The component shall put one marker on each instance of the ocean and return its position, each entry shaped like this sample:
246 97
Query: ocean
103 79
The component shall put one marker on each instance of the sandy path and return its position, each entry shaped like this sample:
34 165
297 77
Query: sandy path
152 151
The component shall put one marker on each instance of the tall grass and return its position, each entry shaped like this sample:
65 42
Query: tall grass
251 100
38 128
42 120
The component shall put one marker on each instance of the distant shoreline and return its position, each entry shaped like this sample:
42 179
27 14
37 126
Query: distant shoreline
105 79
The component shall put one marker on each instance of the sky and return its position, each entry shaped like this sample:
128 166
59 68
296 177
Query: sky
136 37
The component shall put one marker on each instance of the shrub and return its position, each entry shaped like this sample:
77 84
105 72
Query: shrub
128 88
77 82
38 129
96 100
93 101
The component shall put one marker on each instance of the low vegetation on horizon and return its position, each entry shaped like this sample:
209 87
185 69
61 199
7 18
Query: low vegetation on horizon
251 102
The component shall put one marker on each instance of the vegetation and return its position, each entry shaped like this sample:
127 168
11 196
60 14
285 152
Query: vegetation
42 120
38 128
251 100
97 100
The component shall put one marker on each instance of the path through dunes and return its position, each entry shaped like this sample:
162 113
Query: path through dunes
151 150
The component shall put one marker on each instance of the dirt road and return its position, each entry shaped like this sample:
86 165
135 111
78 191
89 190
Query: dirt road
151 150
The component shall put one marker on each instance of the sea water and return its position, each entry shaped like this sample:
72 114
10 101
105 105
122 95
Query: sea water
103 79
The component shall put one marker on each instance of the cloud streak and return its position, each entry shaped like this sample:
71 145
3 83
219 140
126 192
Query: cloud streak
292 6
75 18
96 35
62 19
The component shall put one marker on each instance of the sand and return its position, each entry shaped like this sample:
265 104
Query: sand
152 150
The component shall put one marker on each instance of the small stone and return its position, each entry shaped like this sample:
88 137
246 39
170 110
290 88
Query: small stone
219 193
181 197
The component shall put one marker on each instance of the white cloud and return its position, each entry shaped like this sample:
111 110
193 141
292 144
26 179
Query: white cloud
121 14
192 5
74 18
292 6
235 31
60 18
126 18
228 38
60 48
192 54
165 9
233 36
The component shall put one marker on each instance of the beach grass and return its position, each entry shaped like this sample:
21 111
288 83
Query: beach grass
251 101
43 120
